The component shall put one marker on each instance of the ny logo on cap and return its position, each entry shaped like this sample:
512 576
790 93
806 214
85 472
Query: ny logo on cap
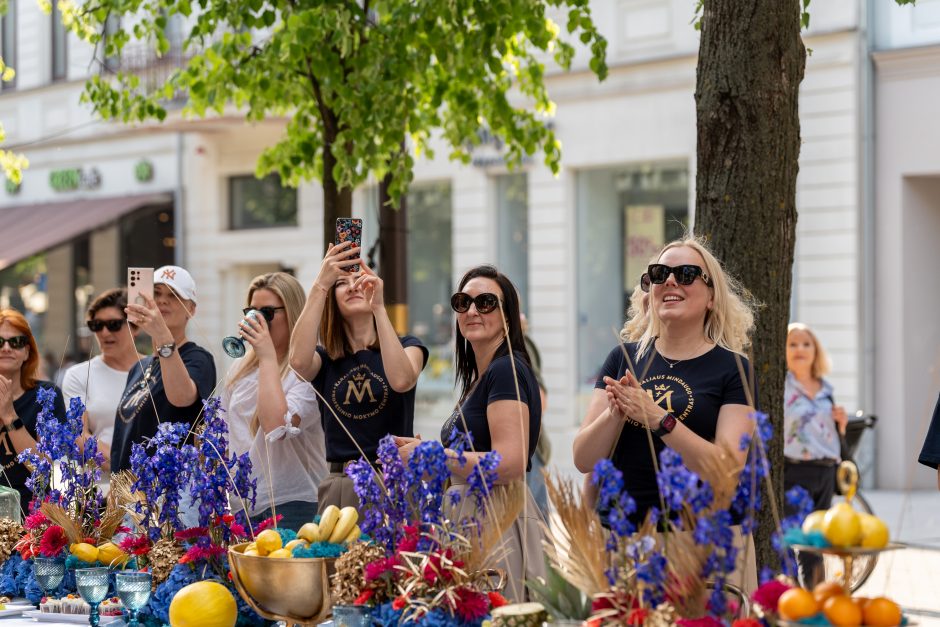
168 274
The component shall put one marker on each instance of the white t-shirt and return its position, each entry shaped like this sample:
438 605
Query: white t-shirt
100 387
296 456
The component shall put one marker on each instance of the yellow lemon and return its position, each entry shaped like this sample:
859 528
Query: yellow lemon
267 541
252 546
85 552
252 552
874 531
203 604
842 526
110 555
281 553
296 542
813 521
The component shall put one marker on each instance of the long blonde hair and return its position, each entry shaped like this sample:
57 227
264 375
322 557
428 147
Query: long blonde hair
730 320
291 293
821 363
637 316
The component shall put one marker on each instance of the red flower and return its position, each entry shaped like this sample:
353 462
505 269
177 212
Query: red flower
378 569
196 553
496 599
768 594
53 541
637 616
228 519
747 622
35 520
191 534
399 603
363 598
135 546
238 531
705 621
470 605
267 523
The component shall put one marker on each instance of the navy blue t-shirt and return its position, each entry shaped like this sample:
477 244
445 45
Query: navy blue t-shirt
27 409
693 390
930 453
497 384
357 389
138 416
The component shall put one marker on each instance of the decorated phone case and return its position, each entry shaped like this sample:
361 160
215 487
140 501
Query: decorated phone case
349 229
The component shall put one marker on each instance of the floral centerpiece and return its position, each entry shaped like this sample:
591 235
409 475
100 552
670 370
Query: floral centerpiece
433 547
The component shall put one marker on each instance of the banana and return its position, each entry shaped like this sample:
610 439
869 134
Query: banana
347 520
298 542
309 532
353 535
327 521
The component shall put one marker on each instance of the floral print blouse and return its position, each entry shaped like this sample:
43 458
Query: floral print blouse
809 431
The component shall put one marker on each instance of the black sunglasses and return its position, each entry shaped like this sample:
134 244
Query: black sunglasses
485 302
645 282
111 325
684 274
17 341
267 312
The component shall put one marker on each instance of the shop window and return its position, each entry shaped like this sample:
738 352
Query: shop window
625 215
59 45
147 239
261 203
8 41
512 224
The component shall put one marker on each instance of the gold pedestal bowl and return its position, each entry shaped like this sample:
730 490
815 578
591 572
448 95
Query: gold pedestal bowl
293 590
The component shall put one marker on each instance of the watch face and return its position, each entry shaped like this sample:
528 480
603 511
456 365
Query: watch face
669 422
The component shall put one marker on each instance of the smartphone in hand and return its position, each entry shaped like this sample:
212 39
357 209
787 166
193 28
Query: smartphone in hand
349 229
139 282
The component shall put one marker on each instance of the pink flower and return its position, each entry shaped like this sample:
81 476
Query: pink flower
267 523
705 621
135 546
769 594
53 541
191 534
470 605
35 520
378 569
196 553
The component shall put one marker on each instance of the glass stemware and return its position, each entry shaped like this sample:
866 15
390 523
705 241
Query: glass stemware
92 585
49 573
134 591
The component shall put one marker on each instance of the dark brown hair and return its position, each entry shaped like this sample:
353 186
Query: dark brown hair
116 298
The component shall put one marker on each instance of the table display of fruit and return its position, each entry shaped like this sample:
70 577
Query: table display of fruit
324 537
827 604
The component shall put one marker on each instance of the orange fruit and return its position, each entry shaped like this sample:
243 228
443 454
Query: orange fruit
827 589
861 602
797 603
882 612
842 612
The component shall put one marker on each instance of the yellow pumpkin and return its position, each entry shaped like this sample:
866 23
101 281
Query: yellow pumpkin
203 604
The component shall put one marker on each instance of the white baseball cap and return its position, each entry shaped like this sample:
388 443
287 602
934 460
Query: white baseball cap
179 280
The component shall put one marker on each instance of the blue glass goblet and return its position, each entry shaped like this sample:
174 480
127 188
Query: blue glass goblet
92 585
134 591
49 573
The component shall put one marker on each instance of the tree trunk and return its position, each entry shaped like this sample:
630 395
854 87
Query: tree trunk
750 66
393 255
337 201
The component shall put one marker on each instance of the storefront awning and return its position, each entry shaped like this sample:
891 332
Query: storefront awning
29 229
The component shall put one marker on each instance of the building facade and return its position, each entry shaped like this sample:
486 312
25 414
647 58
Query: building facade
574 244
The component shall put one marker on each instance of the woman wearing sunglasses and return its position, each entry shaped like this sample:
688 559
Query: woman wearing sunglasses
364 372
691 393
99 382
271 412
19 363
500 407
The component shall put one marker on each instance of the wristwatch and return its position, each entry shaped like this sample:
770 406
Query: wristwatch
16 424
666 424
166 350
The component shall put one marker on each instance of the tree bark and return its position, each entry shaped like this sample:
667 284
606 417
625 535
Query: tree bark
393 255
751 63
337 201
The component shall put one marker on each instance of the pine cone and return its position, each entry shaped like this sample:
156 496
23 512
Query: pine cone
349 579
10 533
164 555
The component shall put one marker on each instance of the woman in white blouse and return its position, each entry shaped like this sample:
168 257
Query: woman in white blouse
271 412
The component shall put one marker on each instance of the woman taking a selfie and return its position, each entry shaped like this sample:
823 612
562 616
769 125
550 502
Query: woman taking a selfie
19 407
364 372
271 412
691 394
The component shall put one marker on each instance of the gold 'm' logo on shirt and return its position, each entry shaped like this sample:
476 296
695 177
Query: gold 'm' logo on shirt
667 391
363 392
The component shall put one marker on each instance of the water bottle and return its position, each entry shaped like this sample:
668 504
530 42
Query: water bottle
234 345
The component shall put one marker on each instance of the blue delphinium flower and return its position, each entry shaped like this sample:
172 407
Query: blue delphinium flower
163 475
679 485
652 572
371 503
483 477
398 481
428 467
614 503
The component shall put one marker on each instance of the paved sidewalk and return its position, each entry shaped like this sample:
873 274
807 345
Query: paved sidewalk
909 576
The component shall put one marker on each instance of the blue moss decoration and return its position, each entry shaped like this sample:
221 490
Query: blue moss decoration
8 583
319 549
